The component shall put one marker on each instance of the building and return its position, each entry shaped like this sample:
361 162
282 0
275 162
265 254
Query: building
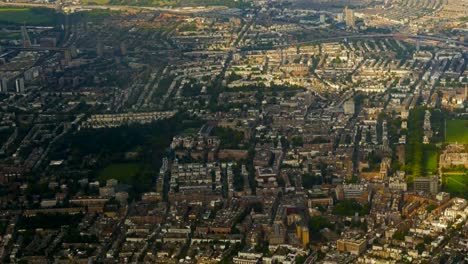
106 192
116 120
123 48
263 158
409 208
247 258
302 233
277 235
339 17
427 184
443 197
349 107
323 18
3 85
19 84
358 192
396 184
100 49
67 56
454 155
352 245
266 176
350 19
195 177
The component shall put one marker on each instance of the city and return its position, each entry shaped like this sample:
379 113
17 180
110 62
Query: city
247 131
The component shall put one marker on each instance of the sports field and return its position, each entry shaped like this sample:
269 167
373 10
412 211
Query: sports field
456 184
27 16
123 172
457 131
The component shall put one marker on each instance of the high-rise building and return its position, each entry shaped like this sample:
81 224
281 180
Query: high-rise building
302 233
19 84
100 48
67 56
3 85
305 236
349 16
123 48
427 184
73 51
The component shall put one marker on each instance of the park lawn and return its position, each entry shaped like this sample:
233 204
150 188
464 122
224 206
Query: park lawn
190 131
415 148
456 184
123 172
28 16
457 131
431 161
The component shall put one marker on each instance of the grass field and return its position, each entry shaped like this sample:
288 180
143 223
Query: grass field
190 132
456 184
28 16
123 172
430 160
179 3
9 35
457 131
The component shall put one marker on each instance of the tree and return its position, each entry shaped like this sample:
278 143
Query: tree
420 248
431 207
229 137
297 141
399 235
350 208
300 259
427 239
309 180
318 223
238 179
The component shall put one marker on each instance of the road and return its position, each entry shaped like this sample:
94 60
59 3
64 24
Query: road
72 8
463 45
66 129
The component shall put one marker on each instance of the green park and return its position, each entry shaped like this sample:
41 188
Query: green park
455 183
457 131
422 159
455 180
123 172
27 16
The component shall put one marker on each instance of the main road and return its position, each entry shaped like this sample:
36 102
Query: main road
392 35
